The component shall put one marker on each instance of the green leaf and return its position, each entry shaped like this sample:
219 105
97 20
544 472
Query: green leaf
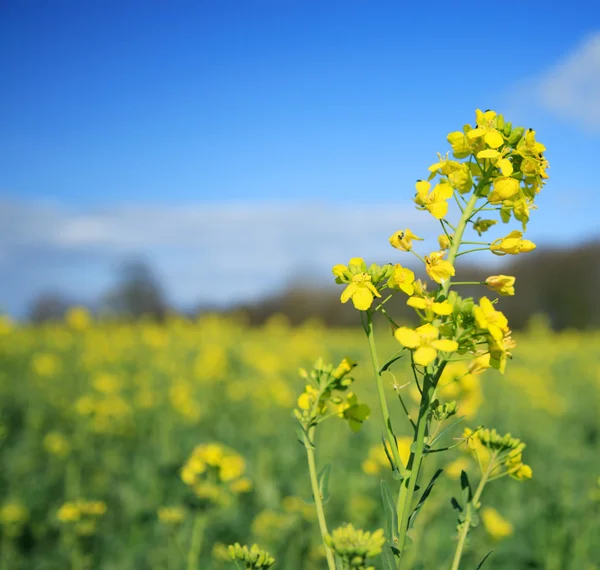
467 494
387 558
390 362
424 496
324 482
484 559
391 517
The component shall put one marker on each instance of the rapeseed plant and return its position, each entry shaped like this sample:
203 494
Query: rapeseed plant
497 168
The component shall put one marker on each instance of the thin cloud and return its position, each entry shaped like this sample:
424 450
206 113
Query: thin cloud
570 88
211 253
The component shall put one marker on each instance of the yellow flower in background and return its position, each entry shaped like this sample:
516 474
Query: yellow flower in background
402 278
501 284
435 201
57 444
361 291
403 239
486 129
424 342
454 468
438 268
488 318
495 524
512 244
78 318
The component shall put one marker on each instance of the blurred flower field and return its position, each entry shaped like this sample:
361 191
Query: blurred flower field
146 446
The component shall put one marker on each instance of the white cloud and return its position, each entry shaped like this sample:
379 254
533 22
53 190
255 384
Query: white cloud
214 253
571 87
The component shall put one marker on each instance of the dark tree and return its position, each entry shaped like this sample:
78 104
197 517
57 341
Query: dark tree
137 293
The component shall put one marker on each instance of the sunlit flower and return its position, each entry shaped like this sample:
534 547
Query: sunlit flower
438 268
501 284
403 239
425 343
486 129
402 278
434 201
488 318
361 291
512 244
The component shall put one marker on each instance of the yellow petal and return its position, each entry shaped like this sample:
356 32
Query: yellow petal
505 166
488 153
363 298
408 288
494 139
417 303
445 345
438 209
424 355
407 337
348 292
444 308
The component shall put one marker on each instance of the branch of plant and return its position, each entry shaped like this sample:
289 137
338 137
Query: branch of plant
464 530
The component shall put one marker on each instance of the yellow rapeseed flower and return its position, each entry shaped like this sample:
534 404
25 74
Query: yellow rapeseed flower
403 239
501 284
495 524
402 278
435 201
430 306
438 268
488 318
512 244
425 343
485 128
361 291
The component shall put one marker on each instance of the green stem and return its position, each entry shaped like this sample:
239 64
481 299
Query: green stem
464 529
196 541
458 234
391 438
468 283
407 489
472 250
314 483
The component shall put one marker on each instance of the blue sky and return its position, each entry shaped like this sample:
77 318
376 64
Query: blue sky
248 142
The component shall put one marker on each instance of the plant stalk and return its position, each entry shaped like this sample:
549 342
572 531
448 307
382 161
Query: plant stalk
391 438
464 531
314 483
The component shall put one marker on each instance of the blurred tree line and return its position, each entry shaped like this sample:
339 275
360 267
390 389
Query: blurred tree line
559 283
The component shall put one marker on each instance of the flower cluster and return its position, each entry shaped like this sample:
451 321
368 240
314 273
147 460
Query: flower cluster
503 454
354 547
253 558
214 472
318 400
82 515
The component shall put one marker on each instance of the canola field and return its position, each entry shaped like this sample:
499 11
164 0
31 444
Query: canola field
146 446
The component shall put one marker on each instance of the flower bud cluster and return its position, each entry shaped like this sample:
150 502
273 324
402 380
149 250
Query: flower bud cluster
320 399
354 547
253 558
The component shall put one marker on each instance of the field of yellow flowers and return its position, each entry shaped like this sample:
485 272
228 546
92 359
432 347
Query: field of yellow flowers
147 446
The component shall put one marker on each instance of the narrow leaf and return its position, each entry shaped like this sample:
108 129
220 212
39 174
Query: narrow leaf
324 482
389 363
467 494
391 517
484 559
387 558
424 496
